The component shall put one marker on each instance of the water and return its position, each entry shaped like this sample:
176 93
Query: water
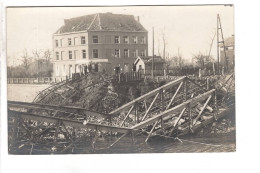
190 144
24 92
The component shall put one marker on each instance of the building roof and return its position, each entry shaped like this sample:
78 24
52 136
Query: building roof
149 59
230 41
101 22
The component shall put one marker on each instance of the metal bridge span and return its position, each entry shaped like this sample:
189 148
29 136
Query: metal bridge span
177 108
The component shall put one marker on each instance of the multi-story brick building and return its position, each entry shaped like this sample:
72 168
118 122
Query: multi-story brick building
108 42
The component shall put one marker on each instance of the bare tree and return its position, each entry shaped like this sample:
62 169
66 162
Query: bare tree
47 55
176 61
26 59
37 54
202 60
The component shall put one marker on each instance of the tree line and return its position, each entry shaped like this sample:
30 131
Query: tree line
34 64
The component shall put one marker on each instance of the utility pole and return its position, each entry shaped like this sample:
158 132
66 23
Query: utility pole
217 47
219 27
224 46
153 56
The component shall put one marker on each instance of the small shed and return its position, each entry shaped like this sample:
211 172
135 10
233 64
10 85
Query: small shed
144 64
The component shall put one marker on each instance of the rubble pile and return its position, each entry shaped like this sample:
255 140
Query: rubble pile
97 92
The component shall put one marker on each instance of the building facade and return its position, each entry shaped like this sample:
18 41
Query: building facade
144 64
229 61
107 42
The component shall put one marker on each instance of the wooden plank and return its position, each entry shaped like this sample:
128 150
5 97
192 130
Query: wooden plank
172 110
190 116
147 95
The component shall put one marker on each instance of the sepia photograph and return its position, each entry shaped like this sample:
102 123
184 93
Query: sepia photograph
120 79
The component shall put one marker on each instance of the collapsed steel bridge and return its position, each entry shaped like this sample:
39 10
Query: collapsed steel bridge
177 108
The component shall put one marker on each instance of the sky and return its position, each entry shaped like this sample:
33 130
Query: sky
187 29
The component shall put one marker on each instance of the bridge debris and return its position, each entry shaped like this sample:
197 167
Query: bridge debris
93 106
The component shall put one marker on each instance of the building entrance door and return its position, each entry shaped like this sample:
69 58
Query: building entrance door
117 70
95 67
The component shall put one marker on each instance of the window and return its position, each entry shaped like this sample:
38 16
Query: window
83 41
126 53
70 54
117 54
117 39
135 39
126 39
57 55
56 43
83 54
142 53
95 53
135 53
69 41
95 38
142 40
